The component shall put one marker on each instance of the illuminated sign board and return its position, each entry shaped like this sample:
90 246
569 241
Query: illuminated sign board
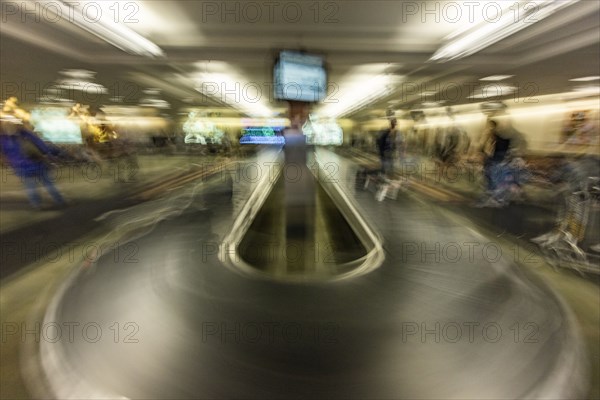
54 125
262 135
262 140
323 131
199 130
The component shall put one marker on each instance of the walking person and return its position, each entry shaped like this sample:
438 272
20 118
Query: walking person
386 148
503 167
28 157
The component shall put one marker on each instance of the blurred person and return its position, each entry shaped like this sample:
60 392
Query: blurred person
400 146
386 148
226 144
101 140
449 146
104 136
436 147
458 134
512 174
12 107
494 149
80 114
504 174
28 156
580 129
112 147
465 142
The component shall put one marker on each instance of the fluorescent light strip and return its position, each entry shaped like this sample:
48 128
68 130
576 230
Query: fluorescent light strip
110 31
496 78
587 89
585 79
492 91
356 96
84 86
478 19
489 33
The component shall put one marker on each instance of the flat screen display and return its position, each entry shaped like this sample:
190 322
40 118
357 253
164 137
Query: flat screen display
299 77
54 125
262 135
322 131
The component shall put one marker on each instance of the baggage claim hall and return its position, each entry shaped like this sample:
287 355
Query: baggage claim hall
346 199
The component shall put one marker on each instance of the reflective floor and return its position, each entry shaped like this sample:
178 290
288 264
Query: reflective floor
446 315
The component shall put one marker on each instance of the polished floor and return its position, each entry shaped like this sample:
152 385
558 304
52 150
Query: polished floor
447 315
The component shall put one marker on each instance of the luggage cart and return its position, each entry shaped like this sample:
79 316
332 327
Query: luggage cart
561 246
383 187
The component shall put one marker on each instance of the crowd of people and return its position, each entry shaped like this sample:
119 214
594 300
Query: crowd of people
501 154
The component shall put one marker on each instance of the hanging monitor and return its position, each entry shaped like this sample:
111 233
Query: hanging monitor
299 77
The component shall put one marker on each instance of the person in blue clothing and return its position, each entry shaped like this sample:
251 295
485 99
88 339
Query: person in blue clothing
504 169
28 156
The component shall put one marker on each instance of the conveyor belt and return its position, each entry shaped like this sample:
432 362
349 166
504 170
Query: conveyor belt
429 323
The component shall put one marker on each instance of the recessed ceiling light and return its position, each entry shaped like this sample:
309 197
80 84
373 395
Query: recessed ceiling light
496 77
78 73
586 79
151 91
492 90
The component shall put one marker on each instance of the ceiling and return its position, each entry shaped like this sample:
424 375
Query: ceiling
199 35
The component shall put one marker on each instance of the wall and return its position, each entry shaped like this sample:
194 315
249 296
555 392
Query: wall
542 121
